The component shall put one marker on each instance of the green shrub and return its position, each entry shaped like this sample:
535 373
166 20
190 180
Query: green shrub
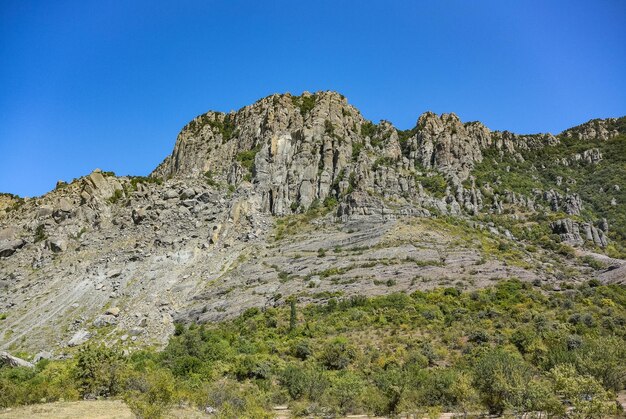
99 370
150 394
117 195
40 233
337 354
501 378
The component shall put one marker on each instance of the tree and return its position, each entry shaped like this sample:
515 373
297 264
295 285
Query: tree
98 370
345 392
292 315
586 395
464 393
501 377
337 354
150 394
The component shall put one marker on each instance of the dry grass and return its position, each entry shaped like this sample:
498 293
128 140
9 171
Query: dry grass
97 409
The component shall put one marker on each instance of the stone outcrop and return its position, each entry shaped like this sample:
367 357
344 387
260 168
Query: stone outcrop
571 204
596 129
8 247
13 361
297 151
576 233
591 156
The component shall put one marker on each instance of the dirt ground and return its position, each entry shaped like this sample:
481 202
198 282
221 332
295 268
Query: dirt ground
97 409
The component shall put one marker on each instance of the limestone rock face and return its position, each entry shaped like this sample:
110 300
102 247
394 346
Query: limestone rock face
445 143
576 234
198 240
299 151
597 129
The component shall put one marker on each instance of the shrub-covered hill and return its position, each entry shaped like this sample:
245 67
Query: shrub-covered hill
592 167
511 348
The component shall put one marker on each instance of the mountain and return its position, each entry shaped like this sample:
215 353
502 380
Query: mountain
302 196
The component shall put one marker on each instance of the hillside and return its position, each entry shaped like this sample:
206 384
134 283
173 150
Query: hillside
302 196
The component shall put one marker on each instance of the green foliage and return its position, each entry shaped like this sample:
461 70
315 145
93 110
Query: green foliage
433 183
150 394
225 126
136 180
40 233
98 370
330 202
368 129
586 395
510 349
246 159
356 150
337 354
502 379
49 382
538 170
304 103
208 178
117 196
383 161
293 317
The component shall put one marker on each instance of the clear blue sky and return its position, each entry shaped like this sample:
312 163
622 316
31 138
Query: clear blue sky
108 84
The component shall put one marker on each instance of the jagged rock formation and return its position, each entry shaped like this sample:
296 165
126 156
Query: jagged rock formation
121 258
576 234
596 129
297 151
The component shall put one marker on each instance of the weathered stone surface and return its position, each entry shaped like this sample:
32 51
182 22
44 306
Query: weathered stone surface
105 320
13 361
138 215
570 232
57 244
113 311
201 243
8 247
42 355
597 129
79 338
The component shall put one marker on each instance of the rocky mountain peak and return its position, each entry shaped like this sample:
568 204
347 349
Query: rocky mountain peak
597 129
198 238
299 150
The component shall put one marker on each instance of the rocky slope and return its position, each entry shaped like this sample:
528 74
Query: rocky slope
301 195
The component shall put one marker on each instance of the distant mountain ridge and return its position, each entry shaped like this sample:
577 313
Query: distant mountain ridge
301 195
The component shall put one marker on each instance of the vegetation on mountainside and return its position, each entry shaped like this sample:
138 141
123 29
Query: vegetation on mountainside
542 169
225 127
509 349
246 159
304 103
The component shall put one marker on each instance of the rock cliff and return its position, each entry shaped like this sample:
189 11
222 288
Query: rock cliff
301 195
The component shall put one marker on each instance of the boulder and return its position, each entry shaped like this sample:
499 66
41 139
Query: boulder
113 311
79 338
42 355
7 248
136 331
170 194
57 244
138 215
13 361
105 320
9 233
188 193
